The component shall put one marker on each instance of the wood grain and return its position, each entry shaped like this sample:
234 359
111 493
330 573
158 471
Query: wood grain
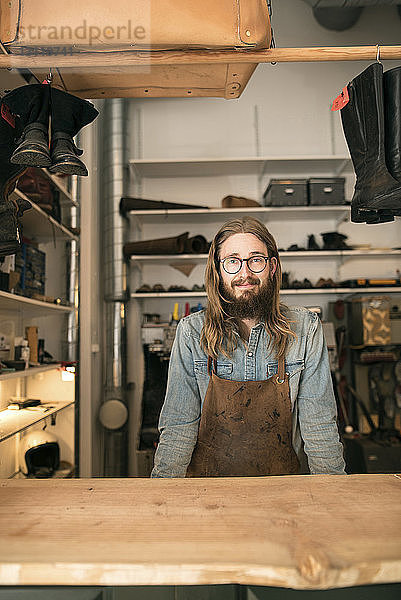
303 532
121 58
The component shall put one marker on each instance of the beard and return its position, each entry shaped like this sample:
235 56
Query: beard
255 303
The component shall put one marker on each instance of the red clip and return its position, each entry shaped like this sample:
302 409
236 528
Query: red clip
7 115
341 100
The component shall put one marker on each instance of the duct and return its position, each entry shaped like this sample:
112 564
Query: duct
71 353
115 227
339 15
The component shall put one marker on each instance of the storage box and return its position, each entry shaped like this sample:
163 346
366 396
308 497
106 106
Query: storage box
31 265
286 192
326 190
370 321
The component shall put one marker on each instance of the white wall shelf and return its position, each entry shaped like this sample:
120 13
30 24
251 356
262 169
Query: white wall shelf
38 224
29 306
209 167
199 258
15 421
215 215
289 292
28 372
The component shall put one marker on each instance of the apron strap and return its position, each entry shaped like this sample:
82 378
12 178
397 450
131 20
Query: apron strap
281 371
211 365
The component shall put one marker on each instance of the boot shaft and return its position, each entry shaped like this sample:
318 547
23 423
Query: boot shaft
70 113
392 113
31 103
8 172
363 122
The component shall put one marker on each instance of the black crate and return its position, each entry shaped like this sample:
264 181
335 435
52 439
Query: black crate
326 190
286 192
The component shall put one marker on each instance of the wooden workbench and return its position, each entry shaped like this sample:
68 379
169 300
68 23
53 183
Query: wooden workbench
302 532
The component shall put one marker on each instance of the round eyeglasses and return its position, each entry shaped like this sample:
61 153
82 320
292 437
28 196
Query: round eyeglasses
233 265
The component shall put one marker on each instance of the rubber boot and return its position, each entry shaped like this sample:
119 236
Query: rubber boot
377 195
10 210
31 103
68 115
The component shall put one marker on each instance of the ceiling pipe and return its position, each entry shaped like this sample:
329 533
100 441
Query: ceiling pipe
339 15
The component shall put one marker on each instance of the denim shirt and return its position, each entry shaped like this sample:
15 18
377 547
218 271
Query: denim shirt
313 404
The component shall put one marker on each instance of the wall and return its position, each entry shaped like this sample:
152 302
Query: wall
284 111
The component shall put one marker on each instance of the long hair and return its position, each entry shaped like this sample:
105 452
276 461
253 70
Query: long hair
218 332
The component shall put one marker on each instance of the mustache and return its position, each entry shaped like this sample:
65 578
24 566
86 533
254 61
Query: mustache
245 280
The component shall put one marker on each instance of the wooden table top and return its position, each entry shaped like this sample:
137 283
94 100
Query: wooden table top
302 532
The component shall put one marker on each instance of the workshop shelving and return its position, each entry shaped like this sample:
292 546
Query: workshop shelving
29 306
16 421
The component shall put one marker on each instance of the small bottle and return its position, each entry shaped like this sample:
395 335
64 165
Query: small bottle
187 309
175 316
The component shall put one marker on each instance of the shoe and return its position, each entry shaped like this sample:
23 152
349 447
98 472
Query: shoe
312 243
144 288
364 129
10 209
68 115
294 248
31 103
332 240
237 202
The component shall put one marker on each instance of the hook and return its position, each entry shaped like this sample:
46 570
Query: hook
49 77
378 54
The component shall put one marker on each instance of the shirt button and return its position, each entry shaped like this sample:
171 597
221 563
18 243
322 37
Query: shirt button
250 353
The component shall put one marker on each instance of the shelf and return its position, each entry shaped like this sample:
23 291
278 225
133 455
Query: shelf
212 215
15 421
38 224
59 184
209 167
28 372
190 294
31 307
156 258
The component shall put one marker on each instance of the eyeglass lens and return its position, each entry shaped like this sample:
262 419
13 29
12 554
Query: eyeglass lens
256 264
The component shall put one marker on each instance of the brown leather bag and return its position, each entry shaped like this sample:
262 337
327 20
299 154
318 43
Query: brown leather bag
135 24
60 28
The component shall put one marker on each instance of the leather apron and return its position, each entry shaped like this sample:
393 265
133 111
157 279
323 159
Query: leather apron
245 428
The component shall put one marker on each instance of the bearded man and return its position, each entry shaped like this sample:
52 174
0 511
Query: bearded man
249 390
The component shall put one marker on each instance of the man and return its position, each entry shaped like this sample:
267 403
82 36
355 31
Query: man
249 389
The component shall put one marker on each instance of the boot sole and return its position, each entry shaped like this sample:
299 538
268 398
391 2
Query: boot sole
31 159
371 217
9 248
68 169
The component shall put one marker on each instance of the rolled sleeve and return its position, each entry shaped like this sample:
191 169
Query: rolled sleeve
180 414
317 407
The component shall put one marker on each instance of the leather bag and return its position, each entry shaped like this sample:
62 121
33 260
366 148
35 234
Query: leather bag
37 27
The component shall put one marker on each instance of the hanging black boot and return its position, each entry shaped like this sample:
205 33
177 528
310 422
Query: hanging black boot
68 115
377 195
10 210
31 103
